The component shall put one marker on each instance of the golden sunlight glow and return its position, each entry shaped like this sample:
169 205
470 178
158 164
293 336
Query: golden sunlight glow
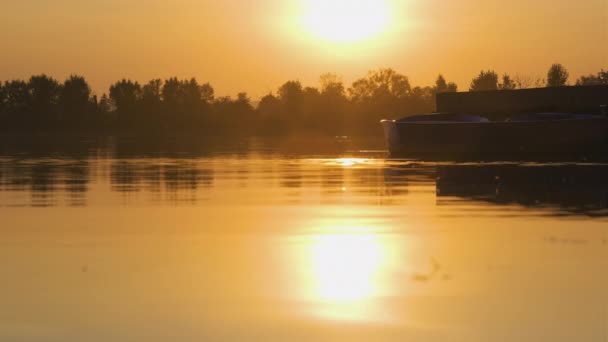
345 266
345 21
346 275
347 162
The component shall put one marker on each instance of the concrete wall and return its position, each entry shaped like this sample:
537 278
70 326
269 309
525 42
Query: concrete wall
586 99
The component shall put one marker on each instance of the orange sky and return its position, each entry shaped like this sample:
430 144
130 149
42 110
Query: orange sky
256 45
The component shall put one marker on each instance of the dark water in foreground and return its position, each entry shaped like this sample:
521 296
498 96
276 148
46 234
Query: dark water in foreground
258 245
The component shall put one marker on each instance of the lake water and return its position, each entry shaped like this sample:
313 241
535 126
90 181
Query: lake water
262 245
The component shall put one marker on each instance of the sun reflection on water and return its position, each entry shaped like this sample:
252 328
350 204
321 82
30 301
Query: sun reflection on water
347 162
346 274
345 266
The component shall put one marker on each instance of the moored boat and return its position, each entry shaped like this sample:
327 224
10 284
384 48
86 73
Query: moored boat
483 133
473 135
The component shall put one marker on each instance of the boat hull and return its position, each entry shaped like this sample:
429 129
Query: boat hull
538 138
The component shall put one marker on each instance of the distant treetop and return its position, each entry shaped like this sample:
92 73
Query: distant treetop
486 80
557 76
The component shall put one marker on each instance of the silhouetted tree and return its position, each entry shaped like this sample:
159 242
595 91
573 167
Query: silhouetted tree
151 105
291 92
422 100
192 97
125 96
331 84
207 92
313 114
75 99
333 104
383 93
151 92
233 116
487 80
244 109
43 98
557 76
16 95
177 106
601 78
105 113
269 112
105 105
525 82
171 92
442 86
291 95
3 100
187 101
507 83
381 84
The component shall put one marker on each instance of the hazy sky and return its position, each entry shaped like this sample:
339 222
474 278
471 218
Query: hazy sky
256 45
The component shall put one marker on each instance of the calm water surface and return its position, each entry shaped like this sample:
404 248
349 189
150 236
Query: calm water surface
258 245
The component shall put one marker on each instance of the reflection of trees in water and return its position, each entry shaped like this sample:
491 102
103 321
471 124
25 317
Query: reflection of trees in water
186 176
46 180
43 184
365 181
332 184
76 183
291 178
356 184
49 182
127 176
157 176
399 178
291 175
346 181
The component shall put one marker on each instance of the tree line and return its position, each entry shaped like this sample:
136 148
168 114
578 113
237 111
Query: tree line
174 106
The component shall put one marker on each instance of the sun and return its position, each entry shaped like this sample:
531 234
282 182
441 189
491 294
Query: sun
346 21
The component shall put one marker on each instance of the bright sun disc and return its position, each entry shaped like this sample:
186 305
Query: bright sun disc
346 20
